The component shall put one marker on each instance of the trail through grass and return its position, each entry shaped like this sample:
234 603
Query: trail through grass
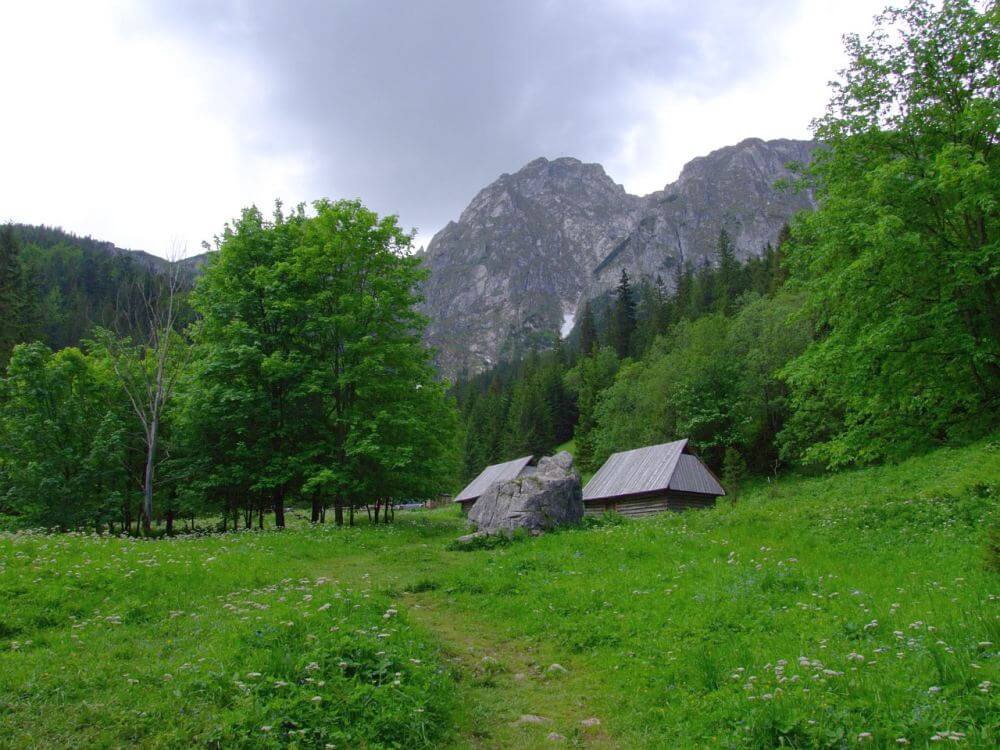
855 610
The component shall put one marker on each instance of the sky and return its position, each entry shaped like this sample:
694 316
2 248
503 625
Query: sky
151 124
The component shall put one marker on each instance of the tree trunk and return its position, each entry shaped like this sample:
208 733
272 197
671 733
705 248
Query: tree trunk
279 507
170 523
147 486
350 512
315 509
338 510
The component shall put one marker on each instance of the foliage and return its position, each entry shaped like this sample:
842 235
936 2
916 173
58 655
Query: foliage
734 470
311 375
712 380
527 408
902 260
520 407
64 441
13 293
623 317
70 284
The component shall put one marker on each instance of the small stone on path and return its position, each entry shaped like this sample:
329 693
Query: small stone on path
530 719
555 737
593 721
557 669
520 676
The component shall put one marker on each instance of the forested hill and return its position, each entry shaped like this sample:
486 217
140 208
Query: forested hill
55 286
48 237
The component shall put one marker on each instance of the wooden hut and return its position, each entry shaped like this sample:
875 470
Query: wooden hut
491 475
651 480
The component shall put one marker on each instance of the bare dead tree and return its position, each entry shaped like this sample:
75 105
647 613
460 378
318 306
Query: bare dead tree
149 356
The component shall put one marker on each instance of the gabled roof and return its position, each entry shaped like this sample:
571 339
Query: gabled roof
490 475
656 468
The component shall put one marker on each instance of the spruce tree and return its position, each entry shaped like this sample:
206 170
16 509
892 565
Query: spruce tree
11 293
624 316
726 286
588 331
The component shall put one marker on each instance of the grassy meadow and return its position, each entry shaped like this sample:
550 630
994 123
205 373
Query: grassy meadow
852 610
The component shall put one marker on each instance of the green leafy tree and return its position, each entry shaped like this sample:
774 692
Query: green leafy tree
902 259
311 359
63 440
591 376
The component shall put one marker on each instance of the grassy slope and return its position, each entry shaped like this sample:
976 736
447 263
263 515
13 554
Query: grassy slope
813 611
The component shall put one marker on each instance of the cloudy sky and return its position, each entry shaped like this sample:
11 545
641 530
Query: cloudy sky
151 124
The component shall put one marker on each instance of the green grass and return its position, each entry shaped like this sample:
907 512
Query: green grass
569 446
851 610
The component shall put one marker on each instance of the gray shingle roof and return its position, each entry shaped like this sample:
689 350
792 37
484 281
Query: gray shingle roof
691 475
491 474
654 468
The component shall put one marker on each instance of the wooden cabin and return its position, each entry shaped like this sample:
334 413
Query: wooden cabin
650 480
491 475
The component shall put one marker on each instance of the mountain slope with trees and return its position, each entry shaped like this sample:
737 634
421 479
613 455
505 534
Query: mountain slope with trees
869 332
531 248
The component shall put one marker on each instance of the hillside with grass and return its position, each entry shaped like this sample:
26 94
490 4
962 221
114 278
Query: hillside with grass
857 609
225 516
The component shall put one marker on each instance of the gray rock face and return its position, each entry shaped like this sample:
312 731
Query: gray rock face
549 497
531 247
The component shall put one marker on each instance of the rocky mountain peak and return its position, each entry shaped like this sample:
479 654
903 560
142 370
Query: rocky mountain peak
532 245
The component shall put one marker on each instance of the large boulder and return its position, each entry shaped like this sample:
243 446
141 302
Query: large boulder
539 499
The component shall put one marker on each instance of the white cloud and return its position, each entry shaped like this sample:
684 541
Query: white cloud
128 137
152 125
778 100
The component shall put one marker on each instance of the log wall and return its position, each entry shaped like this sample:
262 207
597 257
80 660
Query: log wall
648 505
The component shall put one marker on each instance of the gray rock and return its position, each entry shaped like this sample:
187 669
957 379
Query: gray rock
550 496
557 669
555 737
534 245
530 719
590 723
469 538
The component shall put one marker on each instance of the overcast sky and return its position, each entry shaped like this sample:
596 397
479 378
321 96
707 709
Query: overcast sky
152 124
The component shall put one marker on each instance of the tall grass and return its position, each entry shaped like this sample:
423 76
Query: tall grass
859 609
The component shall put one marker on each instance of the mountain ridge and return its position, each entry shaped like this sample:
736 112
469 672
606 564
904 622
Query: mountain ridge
534 244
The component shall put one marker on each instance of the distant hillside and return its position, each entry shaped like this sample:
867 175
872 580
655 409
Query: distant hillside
47 237
73 283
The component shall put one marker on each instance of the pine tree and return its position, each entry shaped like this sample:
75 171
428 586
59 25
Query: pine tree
734 470
12 290
683 286
726 286
623 317
588 331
